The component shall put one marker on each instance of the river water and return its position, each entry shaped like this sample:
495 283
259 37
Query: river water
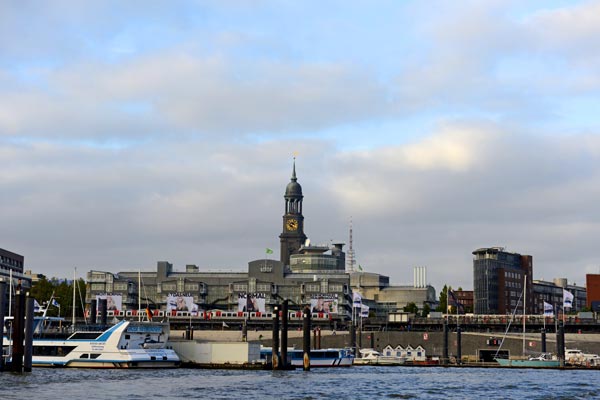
365 382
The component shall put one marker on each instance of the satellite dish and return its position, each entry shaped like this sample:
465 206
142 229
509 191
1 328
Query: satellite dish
307 243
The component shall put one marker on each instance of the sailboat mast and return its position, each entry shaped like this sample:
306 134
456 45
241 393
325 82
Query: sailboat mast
74 283
10 289
524 309
139 294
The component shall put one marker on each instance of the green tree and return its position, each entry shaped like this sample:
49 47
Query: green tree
443 302
42 290
62 290
426 310
411 308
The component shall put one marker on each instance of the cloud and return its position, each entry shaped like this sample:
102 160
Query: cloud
532 193
178 94
215 204
179 149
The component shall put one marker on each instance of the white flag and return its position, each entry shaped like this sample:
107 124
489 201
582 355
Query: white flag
356 299
364 311
36 306
548 309
567 299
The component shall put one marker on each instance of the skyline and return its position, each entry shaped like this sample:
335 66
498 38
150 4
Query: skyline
149 131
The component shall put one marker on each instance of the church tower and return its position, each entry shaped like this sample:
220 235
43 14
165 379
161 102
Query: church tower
292 236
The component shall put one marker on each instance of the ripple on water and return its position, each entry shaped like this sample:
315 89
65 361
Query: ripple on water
352 383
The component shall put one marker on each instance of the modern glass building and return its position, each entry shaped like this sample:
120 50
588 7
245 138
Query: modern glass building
498 278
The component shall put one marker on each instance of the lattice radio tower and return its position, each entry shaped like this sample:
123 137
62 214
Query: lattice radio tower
350 256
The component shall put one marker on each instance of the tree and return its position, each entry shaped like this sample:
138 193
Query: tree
62 290
41 290
411 308
443 303
426 310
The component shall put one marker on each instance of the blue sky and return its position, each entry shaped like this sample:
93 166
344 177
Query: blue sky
132 132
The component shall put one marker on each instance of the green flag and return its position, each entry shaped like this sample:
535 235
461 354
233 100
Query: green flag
360 267
269 251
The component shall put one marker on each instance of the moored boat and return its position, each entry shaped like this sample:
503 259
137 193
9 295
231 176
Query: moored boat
373 357
128 344
318 358
544 360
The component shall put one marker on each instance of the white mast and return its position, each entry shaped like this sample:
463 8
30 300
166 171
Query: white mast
139 294
10 289
74 283
524 309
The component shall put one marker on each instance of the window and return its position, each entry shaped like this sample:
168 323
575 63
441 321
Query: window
313 287
263 287
191 287
240 287
335 288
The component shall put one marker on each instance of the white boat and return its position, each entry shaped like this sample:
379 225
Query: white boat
318 358
128 344
373 357
579 358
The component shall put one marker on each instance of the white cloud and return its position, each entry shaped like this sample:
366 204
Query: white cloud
176 94
181 149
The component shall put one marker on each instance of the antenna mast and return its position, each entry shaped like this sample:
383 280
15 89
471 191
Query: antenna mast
351 258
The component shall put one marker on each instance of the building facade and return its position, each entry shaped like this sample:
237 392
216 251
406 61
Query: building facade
306 275
552 293
592 284
465 298
498 280
12 264
384 298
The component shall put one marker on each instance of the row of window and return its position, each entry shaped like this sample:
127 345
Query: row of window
512 275
11 261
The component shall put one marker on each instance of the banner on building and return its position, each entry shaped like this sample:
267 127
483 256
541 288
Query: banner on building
114 302
181 302
251 302
324 303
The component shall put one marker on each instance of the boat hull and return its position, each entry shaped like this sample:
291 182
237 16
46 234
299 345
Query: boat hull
325 358
379 361
528 363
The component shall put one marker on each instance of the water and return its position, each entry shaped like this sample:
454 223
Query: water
331 383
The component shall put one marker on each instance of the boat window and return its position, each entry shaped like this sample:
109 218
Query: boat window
85 335
84 356
127 337
52 351
93 356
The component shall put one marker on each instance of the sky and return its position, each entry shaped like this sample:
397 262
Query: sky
143 131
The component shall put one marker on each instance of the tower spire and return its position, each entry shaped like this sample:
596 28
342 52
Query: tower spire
350 260
294 179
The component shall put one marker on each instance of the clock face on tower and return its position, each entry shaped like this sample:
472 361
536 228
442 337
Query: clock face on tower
291 224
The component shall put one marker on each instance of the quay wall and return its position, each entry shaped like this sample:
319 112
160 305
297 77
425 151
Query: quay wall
433 342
